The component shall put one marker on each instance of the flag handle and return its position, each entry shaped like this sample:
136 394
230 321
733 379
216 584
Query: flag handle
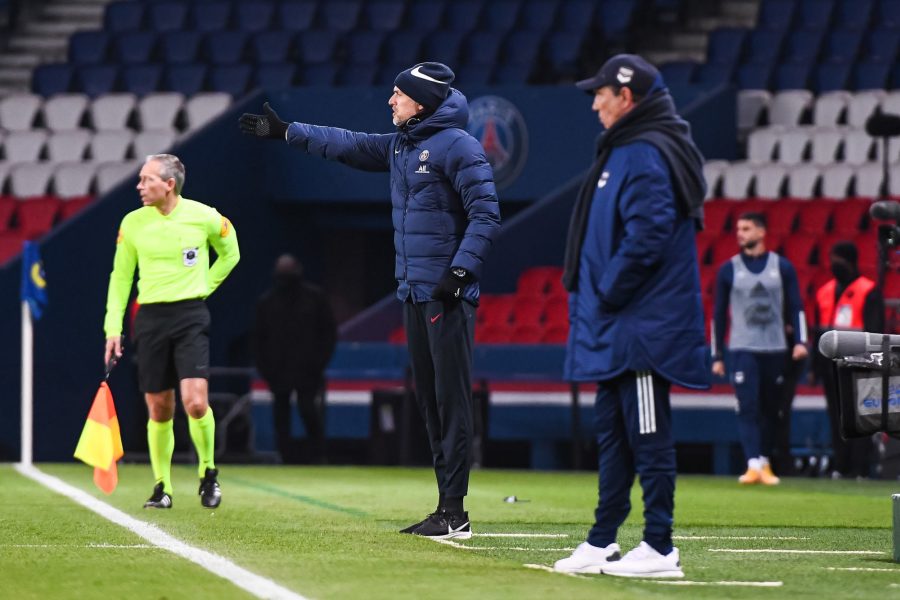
27 430
113 361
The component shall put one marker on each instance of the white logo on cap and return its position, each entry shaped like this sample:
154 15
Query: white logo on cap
417 72
625 74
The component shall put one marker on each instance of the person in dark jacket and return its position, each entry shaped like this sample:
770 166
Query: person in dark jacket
634 306
446 216
293 339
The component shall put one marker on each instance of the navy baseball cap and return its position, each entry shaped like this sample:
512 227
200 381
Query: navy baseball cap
624 70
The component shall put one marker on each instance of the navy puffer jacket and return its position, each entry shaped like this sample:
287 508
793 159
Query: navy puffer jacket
445 208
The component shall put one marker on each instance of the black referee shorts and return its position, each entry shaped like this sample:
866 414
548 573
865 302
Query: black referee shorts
172 343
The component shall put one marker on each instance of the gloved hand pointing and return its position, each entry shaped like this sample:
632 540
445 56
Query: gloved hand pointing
264 126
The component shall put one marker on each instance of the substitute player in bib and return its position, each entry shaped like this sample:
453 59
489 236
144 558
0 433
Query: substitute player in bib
168 239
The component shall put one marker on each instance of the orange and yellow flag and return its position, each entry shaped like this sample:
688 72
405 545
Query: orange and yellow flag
100 445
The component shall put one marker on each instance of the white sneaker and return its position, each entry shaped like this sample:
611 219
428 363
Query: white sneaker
644 561
588 559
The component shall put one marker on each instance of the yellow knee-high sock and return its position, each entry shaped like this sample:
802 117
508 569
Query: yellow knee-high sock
203 434
161 443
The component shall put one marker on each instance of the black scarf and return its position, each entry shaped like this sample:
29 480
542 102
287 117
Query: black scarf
654 121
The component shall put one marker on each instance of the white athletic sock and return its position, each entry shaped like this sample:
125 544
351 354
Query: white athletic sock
754 464
763 462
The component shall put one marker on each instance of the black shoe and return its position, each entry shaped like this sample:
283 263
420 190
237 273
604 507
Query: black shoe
159 499
210 493
412 528
445 525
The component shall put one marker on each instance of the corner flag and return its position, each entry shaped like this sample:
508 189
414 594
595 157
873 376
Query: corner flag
100 445
34 286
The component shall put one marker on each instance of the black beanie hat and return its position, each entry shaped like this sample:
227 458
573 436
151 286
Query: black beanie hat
845 250
427 83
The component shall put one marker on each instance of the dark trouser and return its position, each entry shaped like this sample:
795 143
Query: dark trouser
440 339
633 422
758 379
781 456
853 457
312 412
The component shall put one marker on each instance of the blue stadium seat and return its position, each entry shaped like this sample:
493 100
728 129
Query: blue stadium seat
575 15
364 47
96 80
842 45
615 18
135 47
500 16
522 47
141 80
881 44
296 15
539 16
830 76
513 73
167 16
754 76
358 74
88 47
870 75
385 15
726 45
272 46
403 47
187 78
320 74
231 79
177 47
341 15
764 46
54 78
274 76
123 16
814 14
254 16
317 46
680 72
562 50
387 72
895 76
427 16
776 14
792 76
225 47
443 46
463 15
474 74
707 74
887 14
853 14
803 45
210 16
482 48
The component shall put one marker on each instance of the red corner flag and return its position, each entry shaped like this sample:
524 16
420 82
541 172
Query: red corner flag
100 444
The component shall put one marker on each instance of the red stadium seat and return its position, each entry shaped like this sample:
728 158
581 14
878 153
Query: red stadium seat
398 336
10 245
556 334
493 333
708 279
850 217
526 333
37 215
537 280
723 249
717 215
704 239
528 309
867 251
496 308
73 206
781 216
7 208
799 248
556 312
892 285
815 216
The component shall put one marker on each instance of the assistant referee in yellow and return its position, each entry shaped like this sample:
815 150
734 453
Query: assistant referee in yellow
168 240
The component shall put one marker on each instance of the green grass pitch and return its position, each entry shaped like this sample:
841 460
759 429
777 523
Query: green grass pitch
330 532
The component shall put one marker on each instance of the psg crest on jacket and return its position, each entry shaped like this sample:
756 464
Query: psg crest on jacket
499 126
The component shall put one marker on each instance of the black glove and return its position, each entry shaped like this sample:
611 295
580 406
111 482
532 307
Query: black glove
264 126
452 284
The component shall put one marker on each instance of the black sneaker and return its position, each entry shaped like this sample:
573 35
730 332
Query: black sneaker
446 525
415 526
210 493
159 499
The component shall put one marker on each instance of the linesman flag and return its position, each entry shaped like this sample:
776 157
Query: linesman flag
100 445
34 286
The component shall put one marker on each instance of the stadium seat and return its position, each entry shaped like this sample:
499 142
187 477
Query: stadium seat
751 106
167 16
754 76
68 145
679 72
254 16
36 216
522 48
272 46
186 79
444 46
53 78
814 14
825 143
717 216
231 79
575 15
528 309
704 241
384 15
10 245
275 76
887 14
149 142
869 177
870 75
7 209
110 145
762 144
737 180
829 108
563 51
496 309
159 110
858 147
525 333
836 180
361 75
555 334
842 45
513 73
112 111
711 75
88 47
203 108
210 16
296 15
64 111
19 111
500 16
800 248
341 15
862 105
73 179
793 144
317 46
782 216
615 19
493 333
224 47
539 16
179 47
712 173
831 76
134 47
110 175
853 14
123 16
788 106
725 45
142 80
69 207
324 74
764 46
881 44
556 311
775 14
792 76
24 146
96 80
850 216
537 280
28 180
402 48
770 179
397 336
722 250
364 47
482 48
803 181
463 15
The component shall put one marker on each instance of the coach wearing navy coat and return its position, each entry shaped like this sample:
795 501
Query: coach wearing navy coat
446 216
635 308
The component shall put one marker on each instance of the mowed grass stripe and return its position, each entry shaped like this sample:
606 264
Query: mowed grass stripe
309 500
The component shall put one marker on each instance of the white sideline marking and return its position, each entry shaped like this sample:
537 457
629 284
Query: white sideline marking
551 570
722 583
866 569
522 535
254 584
453 544
735 537
777 551
116 546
